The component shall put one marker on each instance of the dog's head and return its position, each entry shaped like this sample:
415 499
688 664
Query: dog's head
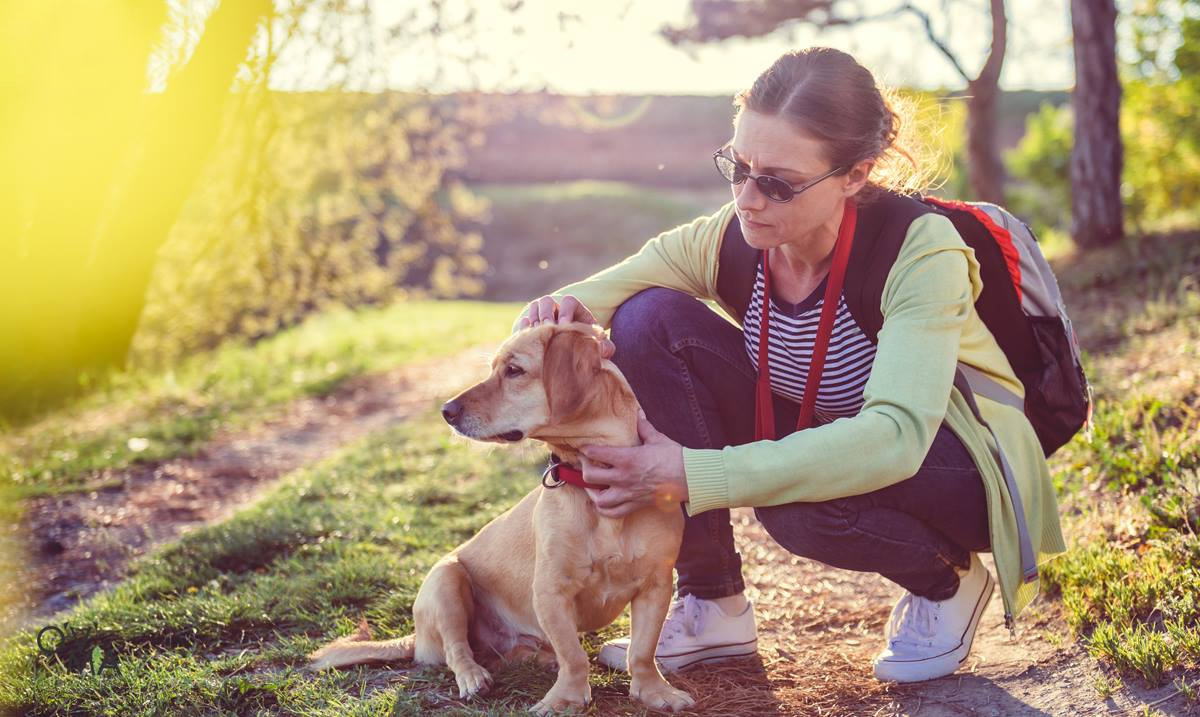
547 382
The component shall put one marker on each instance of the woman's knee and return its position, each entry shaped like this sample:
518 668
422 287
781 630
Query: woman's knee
649 313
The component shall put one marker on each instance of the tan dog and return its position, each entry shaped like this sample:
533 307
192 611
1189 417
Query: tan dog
551 566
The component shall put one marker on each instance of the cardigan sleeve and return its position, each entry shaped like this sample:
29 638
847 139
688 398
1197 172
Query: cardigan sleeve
927 299
683 258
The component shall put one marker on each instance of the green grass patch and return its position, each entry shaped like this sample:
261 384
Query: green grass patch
1131 593
221 620
149 416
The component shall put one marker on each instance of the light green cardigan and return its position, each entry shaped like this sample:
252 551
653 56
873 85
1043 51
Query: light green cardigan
929 324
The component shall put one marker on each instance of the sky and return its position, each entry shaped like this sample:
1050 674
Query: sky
613 46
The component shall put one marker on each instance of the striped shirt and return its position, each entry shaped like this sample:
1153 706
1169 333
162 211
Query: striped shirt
793 330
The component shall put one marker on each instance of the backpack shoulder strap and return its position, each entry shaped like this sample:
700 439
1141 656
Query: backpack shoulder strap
737 267
882 227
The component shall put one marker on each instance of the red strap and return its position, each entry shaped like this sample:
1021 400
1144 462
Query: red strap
764 414
1003 237
574 476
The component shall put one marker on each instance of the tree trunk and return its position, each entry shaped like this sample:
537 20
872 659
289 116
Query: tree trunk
1097 154
98 170
128 244
985 170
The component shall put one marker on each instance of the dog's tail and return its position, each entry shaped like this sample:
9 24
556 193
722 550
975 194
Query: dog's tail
359 647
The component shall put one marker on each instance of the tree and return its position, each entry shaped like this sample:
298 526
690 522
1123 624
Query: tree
158 187
97 169
1096 157
716 20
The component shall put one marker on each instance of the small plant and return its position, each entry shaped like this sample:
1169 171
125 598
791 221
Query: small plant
1189 690
1106 686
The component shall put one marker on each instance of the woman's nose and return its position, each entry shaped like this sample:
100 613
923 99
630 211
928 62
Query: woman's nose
748 197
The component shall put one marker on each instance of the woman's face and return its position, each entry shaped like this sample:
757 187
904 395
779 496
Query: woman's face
771 145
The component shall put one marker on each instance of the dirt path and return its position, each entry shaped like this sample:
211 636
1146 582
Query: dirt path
81 542
818 626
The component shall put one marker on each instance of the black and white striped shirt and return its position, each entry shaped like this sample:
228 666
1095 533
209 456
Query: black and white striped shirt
792 332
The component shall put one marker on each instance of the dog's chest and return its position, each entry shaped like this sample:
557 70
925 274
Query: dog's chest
618 566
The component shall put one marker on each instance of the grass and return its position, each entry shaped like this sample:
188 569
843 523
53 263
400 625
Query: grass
220 621
1130 585
151 416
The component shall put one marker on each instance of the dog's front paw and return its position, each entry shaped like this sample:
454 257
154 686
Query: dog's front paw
561 699
660 695
472 680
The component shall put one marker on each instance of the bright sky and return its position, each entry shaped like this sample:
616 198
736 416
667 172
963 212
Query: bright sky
613 47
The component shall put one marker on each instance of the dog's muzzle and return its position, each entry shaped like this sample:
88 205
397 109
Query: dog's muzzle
452 411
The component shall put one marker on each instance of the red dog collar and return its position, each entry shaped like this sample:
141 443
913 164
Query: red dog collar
557 473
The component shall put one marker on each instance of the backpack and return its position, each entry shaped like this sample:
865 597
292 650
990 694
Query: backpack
1020 303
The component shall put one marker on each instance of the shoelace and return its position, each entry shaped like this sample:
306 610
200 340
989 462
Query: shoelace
913 621
686 616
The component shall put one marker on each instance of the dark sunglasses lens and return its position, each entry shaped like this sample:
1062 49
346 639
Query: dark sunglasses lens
729 169
774 188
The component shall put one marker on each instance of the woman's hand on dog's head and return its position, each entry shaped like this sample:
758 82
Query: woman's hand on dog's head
549 310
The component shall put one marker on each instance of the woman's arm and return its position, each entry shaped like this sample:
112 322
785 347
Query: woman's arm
683 258
926 302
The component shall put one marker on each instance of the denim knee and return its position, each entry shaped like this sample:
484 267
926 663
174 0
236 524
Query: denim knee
809 530
648 323
648 313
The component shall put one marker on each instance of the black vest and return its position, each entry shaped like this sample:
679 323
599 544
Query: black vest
878 235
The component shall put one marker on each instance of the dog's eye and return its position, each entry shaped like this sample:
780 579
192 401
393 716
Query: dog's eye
513 371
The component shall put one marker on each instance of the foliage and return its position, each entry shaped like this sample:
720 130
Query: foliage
1041 162
315 200
1161 88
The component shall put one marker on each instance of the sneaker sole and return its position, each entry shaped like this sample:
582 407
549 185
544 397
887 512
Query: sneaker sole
717 653
980 607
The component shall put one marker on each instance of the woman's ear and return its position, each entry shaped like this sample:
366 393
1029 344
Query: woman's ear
569 369
857 177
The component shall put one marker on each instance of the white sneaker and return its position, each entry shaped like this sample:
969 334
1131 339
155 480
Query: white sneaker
928 638
695 631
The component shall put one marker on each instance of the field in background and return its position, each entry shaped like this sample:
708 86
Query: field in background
543 236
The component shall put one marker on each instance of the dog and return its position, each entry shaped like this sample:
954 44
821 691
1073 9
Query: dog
551 566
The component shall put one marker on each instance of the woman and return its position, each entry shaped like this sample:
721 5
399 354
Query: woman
898 478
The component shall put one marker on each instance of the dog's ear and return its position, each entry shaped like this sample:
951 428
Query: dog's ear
569 369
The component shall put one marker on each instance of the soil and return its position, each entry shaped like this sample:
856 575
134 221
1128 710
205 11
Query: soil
818 626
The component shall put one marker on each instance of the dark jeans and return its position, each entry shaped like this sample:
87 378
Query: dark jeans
690 372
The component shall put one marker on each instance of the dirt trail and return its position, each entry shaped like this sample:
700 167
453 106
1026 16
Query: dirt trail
818 626
81 542
819 616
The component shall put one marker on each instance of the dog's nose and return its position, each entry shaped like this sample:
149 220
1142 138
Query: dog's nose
451 410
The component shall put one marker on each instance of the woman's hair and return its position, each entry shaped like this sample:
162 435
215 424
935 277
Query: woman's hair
826 93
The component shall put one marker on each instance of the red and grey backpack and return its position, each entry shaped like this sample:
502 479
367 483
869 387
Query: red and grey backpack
1020 303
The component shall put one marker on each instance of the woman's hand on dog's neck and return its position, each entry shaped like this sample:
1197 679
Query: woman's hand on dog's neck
650 474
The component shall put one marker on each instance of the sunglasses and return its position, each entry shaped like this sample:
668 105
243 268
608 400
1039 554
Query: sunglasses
773 188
